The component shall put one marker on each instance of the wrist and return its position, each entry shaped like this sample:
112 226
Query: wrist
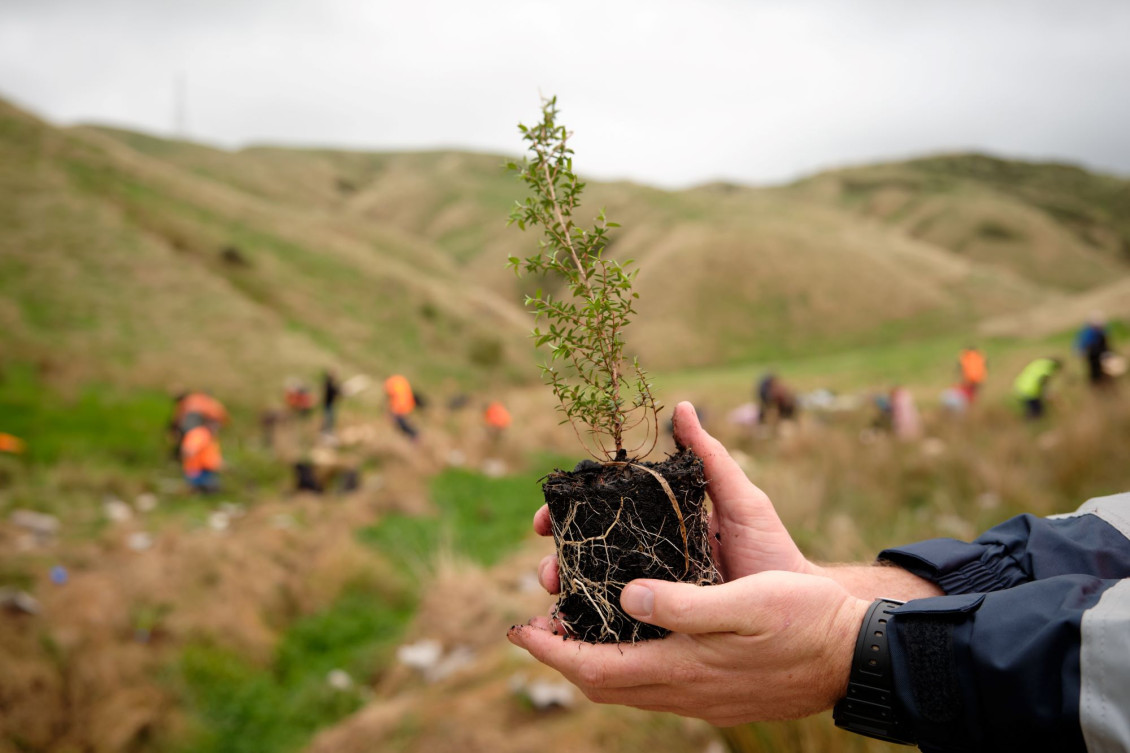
809 567
879 579
844 636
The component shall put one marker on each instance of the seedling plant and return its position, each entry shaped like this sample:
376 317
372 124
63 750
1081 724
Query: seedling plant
621 517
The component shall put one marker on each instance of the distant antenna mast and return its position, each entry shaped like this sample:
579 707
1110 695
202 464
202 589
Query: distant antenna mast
180 105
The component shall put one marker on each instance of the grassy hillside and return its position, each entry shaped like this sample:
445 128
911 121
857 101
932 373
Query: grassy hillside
984 241
147 262
1057 225
728 274
115 265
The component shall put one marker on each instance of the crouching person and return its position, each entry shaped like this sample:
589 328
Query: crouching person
201 458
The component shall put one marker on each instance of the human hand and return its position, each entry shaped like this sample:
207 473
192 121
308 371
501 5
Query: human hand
769 646
745 531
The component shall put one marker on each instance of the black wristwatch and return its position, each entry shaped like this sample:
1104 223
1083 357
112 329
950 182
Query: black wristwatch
869 706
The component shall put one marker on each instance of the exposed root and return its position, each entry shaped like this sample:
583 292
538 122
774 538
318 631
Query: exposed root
674 505
613 525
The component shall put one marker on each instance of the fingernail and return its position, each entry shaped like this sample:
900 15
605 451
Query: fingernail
637 601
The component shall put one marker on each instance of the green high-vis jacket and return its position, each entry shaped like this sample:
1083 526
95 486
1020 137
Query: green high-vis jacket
1031 382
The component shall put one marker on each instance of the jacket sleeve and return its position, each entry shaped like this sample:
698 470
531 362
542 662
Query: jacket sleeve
1095 540
1030 649
1042 666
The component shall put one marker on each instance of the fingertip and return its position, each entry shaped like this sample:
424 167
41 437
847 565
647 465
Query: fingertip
540 640
516 635
638 599
684 419
542 524
547 574
524 636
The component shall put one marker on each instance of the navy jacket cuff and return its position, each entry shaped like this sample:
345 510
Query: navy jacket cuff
958 567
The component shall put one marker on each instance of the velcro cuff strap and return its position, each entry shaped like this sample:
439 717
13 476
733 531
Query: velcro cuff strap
956 605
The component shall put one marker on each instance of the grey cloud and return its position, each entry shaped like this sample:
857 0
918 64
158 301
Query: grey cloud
662 91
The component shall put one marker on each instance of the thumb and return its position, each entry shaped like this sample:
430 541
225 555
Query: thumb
727 482
687 608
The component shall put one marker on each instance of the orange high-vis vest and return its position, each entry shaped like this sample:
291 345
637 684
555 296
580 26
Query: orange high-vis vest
497 416
200 451
300 399
973 366
400 398
12 444
206 405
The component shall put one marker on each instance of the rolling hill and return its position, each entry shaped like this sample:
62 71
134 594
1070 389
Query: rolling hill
118 265
1054 224
151 261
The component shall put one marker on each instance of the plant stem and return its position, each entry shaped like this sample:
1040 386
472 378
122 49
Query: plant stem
612 367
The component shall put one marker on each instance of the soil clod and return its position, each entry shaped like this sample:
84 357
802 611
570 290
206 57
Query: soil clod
615 522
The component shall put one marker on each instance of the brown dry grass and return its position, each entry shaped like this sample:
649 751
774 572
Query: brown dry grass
75 676
1111 300
476 708
1051 225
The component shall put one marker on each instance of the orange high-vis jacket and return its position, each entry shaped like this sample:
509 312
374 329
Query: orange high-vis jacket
973 368
497 416
10 443
300 399
206 405
200 451
400 398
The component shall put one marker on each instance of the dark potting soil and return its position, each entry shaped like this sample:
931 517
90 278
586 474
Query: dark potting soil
614 522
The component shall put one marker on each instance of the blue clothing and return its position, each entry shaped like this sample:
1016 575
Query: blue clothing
205 481
1091 338
1092 343
1030 647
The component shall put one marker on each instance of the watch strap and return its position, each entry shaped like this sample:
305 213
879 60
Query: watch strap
869 706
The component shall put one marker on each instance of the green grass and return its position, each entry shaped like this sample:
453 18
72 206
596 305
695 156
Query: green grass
243 708
96 425
479 517
107 441
925 363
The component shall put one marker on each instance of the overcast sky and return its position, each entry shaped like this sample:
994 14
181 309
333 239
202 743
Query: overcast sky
657 91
